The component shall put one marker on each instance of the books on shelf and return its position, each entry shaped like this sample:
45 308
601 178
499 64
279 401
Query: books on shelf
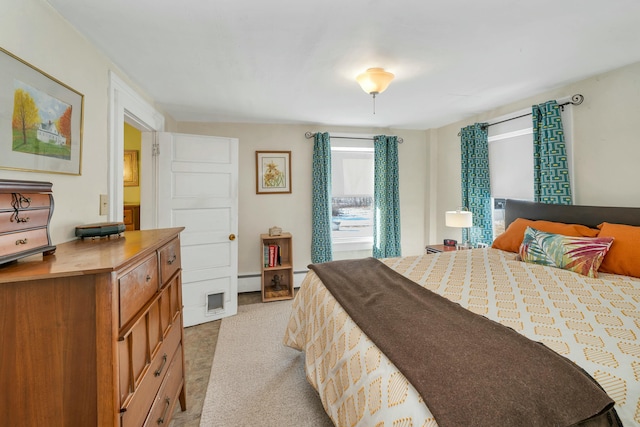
265 255
272 255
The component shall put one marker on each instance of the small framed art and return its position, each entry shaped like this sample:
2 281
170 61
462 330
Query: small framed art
41 117
131 168
273 172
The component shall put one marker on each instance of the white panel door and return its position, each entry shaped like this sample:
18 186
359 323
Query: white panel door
198 190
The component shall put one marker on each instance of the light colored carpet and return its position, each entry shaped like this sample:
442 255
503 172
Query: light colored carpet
255 379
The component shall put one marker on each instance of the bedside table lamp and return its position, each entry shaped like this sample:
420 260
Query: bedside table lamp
460 218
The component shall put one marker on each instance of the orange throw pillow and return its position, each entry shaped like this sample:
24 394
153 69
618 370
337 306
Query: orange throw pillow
624 255
512 238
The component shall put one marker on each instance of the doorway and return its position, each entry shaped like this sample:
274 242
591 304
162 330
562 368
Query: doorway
132 146
209 285
126 106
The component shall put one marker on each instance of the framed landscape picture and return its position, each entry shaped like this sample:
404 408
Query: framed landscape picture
131 176
273 172
40 120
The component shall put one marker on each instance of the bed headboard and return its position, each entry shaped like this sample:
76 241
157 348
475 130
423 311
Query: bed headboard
590 216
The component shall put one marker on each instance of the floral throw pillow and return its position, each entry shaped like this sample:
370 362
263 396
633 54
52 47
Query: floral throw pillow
578 254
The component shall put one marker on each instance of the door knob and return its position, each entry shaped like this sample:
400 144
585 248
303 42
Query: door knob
232 236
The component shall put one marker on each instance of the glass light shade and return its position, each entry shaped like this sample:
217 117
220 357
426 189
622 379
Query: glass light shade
374 80
459 219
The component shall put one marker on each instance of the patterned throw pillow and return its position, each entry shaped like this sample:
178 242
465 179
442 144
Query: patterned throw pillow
578 254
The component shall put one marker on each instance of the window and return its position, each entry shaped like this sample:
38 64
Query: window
510 165
511 160
352 194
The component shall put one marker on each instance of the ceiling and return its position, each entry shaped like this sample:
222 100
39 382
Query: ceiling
295 61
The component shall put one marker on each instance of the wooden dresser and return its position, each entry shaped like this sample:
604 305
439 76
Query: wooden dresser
131 217
92 335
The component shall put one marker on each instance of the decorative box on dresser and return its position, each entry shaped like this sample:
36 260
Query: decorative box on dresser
92 336
25 211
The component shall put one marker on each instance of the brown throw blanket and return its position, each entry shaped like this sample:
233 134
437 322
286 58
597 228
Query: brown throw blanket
470 371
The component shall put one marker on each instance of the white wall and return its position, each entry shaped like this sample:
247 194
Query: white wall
292 211
33 31
606 144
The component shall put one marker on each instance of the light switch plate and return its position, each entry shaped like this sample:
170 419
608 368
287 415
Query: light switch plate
104 204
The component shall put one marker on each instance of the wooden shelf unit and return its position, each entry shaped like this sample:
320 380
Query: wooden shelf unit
283 269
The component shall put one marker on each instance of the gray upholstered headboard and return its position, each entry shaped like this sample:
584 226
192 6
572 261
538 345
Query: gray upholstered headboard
590 216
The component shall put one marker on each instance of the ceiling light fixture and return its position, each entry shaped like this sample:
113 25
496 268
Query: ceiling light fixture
374 81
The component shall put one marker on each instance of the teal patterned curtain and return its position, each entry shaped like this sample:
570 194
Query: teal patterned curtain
321 249
476 186
550 171
386 200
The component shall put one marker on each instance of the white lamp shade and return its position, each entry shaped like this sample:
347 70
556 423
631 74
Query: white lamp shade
374 80
460 219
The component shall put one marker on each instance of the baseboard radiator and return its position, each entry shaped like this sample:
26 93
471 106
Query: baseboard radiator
251 282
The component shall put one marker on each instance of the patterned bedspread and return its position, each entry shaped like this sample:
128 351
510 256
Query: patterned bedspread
593 322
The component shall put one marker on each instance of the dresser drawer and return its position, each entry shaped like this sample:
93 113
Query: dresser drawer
169 260
140 345
24 200
137 287
170 305
22 241
135 409
31 218
167 397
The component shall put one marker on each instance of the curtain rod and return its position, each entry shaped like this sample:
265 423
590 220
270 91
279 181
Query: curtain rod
310 135
575 100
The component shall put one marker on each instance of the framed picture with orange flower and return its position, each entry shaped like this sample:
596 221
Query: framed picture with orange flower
273 172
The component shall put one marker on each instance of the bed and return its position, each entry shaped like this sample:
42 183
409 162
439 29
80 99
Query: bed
592 321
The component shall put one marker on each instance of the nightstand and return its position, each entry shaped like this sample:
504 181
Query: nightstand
434 249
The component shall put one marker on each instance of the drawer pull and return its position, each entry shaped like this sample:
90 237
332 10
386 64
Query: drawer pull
149 277
19 201
167 401
164 362
21 242
172 260
15 217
